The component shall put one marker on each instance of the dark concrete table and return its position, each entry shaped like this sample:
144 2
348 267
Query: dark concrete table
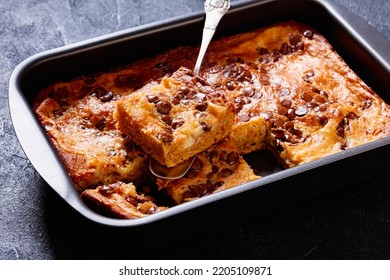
36 224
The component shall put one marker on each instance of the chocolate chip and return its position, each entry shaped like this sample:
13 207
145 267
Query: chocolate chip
213 155
230 85
232 158
247 100
101 125
107 190
163 107
307 97
184 90
300 46
129 81
201 190
264 59
295 39
217 98
282 110
322 120
284 49
366 104
279 133
262 70
205 126
199 97
315 89
319 99
98 91
185 102
214 169
291 113
278 122
322 107
176 123
176 99
258 95
187 195
308 33
265 79
262 51
311 105
218 184
199 115
249 91
223 155
266 115
340 130
286 103
324 94
197 164
293 48
132 200
166 119
190 173
165 135
298 133
276 55
344 124
351 116
309 74
247 75
103 94
153 98
225 172
244 117
107 97
238 104
301 111
289 125
202 106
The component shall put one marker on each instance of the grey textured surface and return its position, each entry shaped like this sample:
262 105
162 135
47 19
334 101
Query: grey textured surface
36 224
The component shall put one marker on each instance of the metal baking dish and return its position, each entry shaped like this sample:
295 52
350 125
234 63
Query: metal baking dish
362 47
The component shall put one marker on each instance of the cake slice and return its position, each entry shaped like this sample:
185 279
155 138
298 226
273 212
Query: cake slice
177 118
121 200
218 168
82 130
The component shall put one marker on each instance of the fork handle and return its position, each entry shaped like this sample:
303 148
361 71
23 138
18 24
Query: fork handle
215 10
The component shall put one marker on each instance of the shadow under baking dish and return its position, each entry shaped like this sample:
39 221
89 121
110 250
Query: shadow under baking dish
362 47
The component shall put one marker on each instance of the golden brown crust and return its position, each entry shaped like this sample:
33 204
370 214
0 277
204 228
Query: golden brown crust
122 200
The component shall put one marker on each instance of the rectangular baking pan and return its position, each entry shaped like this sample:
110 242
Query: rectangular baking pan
362 47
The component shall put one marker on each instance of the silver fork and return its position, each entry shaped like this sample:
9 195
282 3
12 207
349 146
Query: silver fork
215 10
